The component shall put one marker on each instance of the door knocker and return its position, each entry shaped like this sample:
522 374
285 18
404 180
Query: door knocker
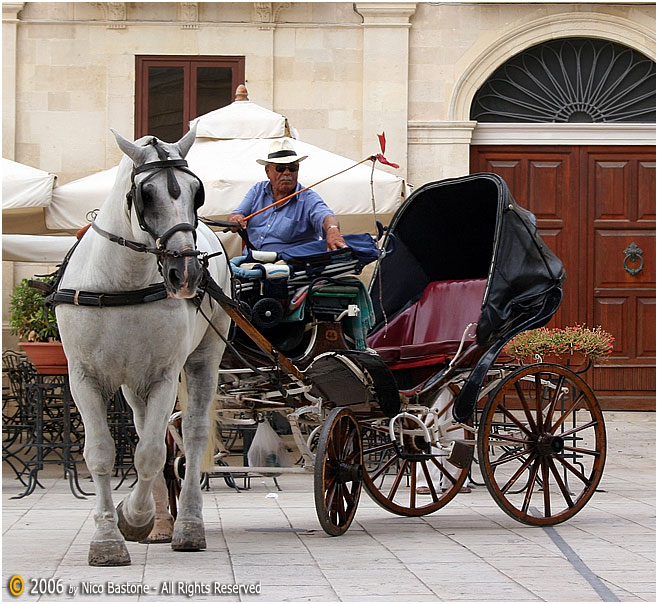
633 253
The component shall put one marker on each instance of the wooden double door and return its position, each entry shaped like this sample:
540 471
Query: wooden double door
595 208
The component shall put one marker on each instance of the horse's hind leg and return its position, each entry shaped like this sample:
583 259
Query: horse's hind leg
107 547
201 372
163 525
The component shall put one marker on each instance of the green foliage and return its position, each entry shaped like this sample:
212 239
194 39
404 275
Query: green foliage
27 317
594 344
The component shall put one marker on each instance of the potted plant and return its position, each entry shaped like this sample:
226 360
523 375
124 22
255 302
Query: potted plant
36 328
572 345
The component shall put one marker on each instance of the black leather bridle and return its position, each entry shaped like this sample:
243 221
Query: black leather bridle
135 197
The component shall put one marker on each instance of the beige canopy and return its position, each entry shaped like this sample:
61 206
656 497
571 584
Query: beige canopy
25 192
229 140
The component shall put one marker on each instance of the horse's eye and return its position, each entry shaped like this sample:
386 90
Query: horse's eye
146 196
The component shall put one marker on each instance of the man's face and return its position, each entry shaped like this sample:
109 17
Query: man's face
283 182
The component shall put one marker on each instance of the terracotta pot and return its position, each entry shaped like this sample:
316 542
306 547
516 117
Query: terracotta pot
47 357
575 361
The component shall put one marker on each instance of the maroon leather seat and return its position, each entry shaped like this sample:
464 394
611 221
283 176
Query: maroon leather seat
429 331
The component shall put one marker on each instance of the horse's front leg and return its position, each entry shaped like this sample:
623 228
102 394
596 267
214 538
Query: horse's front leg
163 525
201 374
137 511
107 547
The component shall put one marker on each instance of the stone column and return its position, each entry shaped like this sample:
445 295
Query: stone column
10 12
386 77
439 150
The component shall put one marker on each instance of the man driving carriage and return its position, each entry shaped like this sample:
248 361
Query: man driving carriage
302 219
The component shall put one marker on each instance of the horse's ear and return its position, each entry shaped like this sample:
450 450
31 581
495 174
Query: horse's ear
133 151
185 143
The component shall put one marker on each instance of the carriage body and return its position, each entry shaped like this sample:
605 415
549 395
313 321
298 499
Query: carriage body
464 270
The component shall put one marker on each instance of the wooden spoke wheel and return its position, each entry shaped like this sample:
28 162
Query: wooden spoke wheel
542 444
391 473
338 471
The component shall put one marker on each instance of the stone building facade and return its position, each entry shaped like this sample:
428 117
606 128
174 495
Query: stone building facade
343 72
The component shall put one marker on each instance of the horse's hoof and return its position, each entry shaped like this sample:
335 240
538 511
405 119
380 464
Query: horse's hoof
162 531
189 536
108 553
132 533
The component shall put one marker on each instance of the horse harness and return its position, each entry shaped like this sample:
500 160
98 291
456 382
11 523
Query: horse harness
137 198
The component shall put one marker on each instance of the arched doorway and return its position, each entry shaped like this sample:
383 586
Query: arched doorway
595 203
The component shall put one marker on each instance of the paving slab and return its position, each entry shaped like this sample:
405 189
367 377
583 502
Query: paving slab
466 552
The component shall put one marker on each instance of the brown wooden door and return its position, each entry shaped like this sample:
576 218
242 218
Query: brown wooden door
592 204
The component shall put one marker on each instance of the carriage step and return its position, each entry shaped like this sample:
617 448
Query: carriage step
461 455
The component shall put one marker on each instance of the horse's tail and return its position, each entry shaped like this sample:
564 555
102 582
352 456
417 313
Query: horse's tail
208 458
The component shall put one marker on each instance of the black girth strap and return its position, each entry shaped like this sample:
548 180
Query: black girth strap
83 298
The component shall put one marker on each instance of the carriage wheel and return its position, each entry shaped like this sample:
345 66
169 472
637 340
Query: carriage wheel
390 473
338 471
541 444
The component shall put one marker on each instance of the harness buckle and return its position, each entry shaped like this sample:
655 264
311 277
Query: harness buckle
75 297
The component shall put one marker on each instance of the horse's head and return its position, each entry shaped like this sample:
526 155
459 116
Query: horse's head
164 199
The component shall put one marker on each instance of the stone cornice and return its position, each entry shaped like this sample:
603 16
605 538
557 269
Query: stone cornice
10 10
564 134
386 14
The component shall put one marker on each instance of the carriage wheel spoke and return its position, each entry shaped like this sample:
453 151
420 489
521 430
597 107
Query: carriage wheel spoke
412 491
582 451
531 487
538 399
444 470
505 458
398 479
556 397
525 406
560 483
547 491
513 419
586 481
510 483
382 469
577 429
512 439
566 413
378 448
430 482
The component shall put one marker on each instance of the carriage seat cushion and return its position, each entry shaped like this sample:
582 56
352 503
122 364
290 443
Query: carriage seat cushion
434 324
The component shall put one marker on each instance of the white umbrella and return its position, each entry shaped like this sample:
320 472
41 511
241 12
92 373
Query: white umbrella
36 248
73 201
24 186
25 192
229 140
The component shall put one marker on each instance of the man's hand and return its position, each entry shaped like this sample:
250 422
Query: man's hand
335 240
239 219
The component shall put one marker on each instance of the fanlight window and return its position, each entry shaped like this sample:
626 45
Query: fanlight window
570 80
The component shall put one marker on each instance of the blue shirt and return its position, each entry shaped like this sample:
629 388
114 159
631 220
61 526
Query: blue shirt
299 220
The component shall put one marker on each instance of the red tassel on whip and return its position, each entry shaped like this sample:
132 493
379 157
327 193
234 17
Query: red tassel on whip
380 156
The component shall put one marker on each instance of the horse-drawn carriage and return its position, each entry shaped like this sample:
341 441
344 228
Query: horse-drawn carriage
388 388
462 272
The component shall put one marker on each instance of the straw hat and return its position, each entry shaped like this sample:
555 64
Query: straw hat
281 152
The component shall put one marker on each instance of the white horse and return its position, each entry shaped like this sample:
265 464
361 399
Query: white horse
143 347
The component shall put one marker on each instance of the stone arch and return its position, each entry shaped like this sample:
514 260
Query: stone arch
482 61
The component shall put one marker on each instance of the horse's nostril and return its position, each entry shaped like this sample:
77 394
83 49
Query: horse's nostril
175 277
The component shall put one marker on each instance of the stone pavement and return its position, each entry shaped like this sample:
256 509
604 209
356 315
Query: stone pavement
468 551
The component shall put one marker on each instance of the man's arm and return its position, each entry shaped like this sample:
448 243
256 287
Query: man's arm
332 233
